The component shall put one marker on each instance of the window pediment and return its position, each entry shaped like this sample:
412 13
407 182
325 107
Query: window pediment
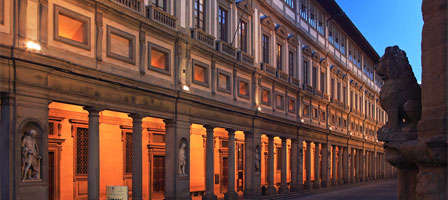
280 31
292 39
245 6
306 50
267 22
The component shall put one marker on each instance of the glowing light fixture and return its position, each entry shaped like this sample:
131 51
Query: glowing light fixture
186 88
30 45
259 108
302 120
331 128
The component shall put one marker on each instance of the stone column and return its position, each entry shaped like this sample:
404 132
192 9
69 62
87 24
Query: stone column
209 165
367 166
271 189
283 186
345 164
334 181
316 184
362 165
93 166
308 166
252 187
358 166
352 165
7 102
231 194
300 165
340 171
294 166
137 163
325 165
177 148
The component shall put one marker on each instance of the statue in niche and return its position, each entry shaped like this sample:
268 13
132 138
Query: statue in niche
182 158
257 159
30 157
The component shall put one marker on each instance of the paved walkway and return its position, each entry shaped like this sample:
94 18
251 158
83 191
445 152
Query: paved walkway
384 190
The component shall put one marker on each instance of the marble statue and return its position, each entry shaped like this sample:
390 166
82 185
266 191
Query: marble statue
30 157
182 159
257 159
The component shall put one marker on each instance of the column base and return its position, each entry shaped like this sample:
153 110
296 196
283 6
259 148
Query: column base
209 196
340 182
283 189
296 188
316 185
271 190
231 195
252 194
307 186
324 184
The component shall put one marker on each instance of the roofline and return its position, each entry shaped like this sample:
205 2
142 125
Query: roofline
337 14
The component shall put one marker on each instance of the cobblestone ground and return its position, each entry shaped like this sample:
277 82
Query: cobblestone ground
384 190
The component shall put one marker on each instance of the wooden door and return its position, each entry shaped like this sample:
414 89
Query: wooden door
159 174
225 174
51 176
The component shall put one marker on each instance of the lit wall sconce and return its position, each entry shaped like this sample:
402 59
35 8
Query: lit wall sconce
331 128
302 120
186 88
259 108
30 45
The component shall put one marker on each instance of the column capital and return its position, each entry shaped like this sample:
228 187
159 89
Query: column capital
283 138
93 110
230 131
209 128
136 116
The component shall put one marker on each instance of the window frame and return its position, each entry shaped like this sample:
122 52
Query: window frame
112 30
307 108
279 56
167 53
282 105
241 35
229 81
265 48
206 67
240 79
305 71
293 103
74 15
269 103
196 16
223 27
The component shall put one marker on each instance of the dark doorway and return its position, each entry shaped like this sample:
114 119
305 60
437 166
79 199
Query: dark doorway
51 176
225 174
159 174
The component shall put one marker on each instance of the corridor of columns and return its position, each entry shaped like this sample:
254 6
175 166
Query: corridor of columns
210 162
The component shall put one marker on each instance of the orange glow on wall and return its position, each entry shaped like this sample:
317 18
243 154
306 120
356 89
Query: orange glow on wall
265 96
71 28
158 59
243 88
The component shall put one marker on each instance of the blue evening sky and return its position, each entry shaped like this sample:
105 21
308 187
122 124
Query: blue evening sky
389 22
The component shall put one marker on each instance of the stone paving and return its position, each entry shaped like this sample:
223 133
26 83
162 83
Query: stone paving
384 190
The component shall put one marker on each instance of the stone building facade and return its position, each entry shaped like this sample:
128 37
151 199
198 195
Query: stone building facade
180 99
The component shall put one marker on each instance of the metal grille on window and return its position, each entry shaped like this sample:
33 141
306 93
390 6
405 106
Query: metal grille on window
129 144
82 141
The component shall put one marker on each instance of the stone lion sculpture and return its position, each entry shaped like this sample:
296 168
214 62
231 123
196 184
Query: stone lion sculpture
400 96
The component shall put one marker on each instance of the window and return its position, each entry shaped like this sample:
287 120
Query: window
200 73
320 23
279 158
330 33
291 63
314 77
2 12
356 101
306 110
266 96
265 46
312 16
291 105
223 24
243 36
351 99
243 88
303 9
336 38
199 14
160 4
71 28
128 153
120 45
305 72
322 116
223 81
315 113
322 82
342 42
279 101
159 58
291 3
338 91
344 124
82 141
279 57
344 92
